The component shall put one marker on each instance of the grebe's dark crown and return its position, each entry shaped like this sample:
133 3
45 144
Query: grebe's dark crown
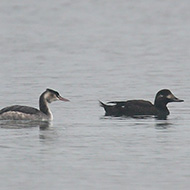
53 91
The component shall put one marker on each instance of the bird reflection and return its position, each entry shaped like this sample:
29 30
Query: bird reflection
12 124
163 125
45 125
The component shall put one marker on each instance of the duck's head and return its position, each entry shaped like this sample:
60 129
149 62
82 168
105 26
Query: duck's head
165 96
52 95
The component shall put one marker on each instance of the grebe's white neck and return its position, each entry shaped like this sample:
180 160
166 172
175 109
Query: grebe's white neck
43 105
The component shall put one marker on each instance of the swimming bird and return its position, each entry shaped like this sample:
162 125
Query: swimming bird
18 112
142 107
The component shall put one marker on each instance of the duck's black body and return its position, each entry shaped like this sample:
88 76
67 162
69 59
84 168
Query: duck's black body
18 112
142 107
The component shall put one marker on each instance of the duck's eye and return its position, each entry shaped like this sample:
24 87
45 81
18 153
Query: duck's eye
160 96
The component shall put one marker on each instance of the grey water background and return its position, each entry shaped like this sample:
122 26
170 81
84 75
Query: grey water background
89 51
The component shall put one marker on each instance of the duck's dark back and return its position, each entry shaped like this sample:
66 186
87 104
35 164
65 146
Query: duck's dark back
139 107
130 108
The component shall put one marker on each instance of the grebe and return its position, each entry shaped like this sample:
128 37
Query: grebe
142 107
17 112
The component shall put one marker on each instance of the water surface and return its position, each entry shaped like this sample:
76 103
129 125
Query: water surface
89 51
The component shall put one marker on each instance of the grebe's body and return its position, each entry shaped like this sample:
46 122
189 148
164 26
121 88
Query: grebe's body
18 112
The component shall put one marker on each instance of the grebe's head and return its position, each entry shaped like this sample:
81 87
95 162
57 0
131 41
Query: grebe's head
52 95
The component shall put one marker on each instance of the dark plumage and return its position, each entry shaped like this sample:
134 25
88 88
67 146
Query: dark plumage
18 108
141 107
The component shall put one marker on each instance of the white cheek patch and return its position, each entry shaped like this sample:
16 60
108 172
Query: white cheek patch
49 98
54 99
46 95
170 96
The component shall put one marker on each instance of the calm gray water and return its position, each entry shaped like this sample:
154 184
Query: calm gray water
89 51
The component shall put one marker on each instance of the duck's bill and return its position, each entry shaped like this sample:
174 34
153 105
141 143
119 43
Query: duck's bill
177 100
63 99
172 98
